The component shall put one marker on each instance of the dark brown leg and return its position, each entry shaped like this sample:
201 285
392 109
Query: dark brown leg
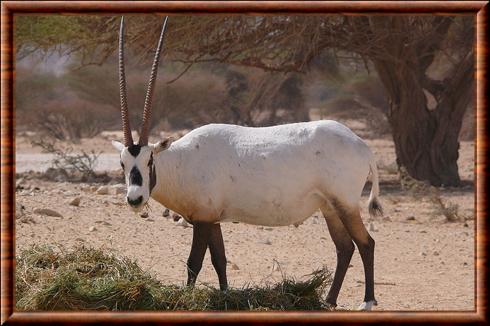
345 249
365 243
218 257
200 238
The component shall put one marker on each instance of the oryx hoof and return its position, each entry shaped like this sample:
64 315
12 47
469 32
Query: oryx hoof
367 305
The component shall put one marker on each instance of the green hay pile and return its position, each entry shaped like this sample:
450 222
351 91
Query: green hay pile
91 279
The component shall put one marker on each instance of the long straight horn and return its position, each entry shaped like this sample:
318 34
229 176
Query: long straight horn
149 93
128 139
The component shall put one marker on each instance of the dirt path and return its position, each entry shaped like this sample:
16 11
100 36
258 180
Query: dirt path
421 261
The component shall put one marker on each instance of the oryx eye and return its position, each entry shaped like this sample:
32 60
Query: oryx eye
150 162
122 165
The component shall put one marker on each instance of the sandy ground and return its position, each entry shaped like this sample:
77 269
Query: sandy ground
421 261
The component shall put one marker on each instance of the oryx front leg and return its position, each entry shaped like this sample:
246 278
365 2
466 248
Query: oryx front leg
200 238
351 218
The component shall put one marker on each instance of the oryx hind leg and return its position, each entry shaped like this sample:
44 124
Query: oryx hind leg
218 257
343 245
352 221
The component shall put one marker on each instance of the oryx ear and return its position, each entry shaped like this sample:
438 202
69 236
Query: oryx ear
162 145
119 146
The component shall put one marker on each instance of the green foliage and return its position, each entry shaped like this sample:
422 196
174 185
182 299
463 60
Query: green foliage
89 279
62 34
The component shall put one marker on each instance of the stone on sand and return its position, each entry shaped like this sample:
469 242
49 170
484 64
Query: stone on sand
75 201
102 190
47 212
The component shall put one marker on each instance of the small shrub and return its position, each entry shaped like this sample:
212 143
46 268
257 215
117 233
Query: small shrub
71 121
65 158
446 209
420 189
414 187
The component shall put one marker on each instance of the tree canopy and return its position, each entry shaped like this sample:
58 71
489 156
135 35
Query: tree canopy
426 105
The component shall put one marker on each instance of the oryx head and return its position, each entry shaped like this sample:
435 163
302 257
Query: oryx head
137 159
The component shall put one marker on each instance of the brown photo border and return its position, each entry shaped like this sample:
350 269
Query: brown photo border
10 8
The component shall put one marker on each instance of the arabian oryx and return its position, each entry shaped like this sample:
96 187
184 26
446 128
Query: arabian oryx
272 176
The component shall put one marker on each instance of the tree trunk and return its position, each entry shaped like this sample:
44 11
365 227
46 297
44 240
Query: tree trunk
426 121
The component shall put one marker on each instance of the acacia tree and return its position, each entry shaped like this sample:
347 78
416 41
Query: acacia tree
426 110
425 113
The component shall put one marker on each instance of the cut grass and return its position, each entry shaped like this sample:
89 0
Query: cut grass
90 279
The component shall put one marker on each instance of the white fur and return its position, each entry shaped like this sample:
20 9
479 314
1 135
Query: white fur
270 176
367 306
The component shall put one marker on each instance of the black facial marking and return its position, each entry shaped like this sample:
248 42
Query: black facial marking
134 149
135 177
153 178
150 162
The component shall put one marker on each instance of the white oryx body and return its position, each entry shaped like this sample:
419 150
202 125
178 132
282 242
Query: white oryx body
272 176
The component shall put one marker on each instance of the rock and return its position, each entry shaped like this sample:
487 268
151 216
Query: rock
47 212
102 190
234 267
58 175
372 227
436 253
266 242
465 225
166 212
182 223
27 219
75 201
423 254
118 203
92 229
269 229
176 217
19 210
410 218
144 215
387 219
19 184
118 189
103 223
